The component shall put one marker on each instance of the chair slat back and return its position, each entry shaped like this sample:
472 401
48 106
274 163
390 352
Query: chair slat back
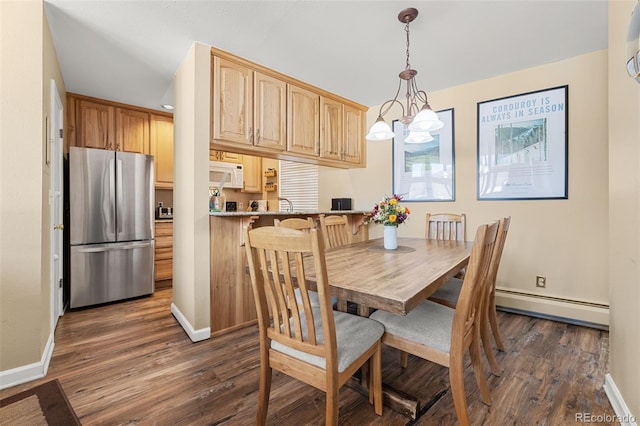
276 265
295 223
446 226
468 309
490 285
335 231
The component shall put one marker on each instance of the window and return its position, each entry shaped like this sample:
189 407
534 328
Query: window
298 182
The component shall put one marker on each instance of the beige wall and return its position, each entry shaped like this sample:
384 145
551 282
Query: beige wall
624 211
25 289
547 237
191 190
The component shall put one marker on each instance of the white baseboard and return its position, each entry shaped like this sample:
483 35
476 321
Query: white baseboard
29 372
194 335
576 310
617 402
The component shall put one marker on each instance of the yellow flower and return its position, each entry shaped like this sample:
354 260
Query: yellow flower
393 202
392 218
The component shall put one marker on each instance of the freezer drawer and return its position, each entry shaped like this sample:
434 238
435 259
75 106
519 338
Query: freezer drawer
106 272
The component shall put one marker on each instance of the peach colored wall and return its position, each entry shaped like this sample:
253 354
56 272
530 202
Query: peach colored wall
25 288
191 188
624 211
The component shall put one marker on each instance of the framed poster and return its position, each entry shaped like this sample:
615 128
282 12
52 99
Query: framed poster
424 171
522 146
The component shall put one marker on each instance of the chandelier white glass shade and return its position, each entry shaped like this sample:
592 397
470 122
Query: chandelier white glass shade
418 137
416 111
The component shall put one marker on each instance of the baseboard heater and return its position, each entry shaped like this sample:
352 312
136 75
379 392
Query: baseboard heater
571 311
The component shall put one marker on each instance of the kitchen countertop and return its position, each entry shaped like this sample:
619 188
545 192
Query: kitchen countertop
286 213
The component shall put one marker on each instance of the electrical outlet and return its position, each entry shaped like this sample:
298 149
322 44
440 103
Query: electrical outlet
541 281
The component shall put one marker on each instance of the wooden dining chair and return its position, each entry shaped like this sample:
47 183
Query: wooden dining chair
313 344
335 231
443 335
303 225
446 226
449 293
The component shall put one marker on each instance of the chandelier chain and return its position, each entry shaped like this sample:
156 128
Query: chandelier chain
416 111
406 29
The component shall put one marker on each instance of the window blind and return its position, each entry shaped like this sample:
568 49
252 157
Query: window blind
298 182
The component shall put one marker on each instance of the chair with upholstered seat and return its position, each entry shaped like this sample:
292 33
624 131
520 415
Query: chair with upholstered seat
443 226
443 335
303 225
335 231
449 293
314 344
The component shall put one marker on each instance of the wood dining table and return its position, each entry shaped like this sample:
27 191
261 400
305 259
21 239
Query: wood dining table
396 281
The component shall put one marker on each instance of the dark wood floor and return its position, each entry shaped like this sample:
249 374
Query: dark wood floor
131 363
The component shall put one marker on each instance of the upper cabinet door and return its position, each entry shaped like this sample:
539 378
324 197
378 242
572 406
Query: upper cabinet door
232 108
133 131
162 149
353 136
331 129
303 121
270 112
95 125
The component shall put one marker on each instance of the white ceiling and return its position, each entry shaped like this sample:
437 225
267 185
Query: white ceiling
128 51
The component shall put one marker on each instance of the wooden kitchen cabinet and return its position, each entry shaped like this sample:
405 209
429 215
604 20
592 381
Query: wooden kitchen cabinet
95 125
161 130
257 111
228 157
249 107
132 131
102 124
231 104
164 251
303 121
252 173
353 135
270 111
341 131
331 138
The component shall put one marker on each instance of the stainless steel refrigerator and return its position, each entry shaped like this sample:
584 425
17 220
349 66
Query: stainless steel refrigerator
111 196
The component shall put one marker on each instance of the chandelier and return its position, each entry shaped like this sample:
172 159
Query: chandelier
416 111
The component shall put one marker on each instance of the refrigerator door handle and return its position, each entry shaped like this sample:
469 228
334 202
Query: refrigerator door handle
131 246
119 200
136 246
110 216
97 249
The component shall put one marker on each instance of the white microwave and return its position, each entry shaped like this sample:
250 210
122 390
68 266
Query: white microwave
232 173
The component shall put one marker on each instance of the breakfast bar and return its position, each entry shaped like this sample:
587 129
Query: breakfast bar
231 296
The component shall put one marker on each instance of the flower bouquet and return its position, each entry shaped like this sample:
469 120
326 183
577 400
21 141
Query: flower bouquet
390 213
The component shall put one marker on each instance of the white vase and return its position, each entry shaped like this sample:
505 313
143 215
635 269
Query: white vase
390 237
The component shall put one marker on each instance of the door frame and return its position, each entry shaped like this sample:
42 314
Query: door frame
56 199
